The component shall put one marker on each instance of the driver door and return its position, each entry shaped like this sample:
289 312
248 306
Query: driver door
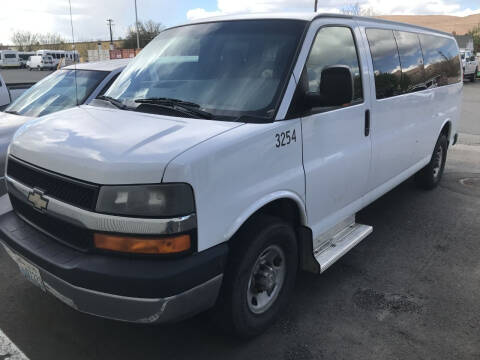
336 141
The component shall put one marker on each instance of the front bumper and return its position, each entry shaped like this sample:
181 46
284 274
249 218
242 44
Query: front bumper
142 289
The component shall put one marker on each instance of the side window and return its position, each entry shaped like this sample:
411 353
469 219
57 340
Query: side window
333 45
442 64
411 61
386 62
107 86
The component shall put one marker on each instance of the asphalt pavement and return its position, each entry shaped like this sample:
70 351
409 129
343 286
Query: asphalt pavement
15 76
410 290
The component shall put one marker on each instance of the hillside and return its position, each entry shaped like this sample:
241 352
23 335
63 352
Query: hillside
461 25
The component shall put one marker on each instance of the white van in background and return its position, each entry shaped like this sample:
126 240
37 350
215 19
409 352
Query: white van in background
23 57
9 59
70 56
214 170
469 64
40 62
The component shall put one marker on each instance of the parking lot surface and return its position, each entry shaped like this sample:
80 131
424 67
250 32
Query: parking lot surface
408 291
15 76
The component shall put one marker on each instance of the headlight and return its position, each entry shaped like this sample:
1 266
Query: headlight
163 200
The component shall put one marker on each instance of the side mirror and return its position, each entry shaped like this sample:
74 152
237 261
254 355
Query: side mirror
336 88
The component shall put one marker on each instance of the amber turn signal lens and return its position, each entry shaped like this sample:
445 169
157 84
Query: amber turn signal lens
138 245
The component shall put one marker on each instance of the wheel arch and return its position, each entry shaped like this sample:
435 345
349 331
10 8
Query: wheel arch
291 208
446 129
272 204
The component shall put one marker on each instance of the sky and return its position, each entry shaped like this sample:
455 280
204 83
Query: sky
89 16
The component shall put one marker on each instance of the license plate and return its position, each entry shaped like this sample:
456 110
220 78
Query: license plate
29 271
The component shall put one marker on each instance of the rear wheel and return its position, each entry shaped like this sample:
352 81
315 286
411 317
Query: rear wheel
260 277
474 76
429 177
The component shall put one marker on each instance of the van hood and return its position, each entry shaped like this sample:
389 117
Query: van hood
110 146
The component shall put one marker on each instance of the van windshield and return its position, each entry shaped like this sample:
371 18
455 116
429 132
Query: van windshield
56 92
230 69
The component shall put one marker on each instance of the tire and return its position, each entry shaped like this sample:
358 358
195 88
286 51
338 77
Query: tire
429 177
238 311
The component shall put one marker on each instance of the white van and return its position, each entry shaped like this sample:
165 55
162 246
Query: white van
9 59
40 62
228 155
23 57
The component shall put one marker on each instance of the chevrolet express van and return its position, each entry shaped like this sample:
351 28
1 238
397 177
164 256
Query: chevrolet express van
230 154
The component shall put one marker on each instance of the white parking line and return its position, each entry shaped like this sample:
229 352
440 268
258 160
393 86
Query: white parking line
8 350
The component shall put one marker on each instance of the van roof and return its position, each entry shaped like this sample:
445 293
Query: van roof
310 16
108 65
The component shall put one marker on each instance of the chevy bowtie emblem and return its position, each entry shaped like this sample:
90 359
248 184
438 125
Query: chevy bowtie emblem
36 198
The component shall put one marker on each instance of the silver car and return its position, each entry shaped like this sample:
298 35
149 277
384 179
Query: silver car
71 86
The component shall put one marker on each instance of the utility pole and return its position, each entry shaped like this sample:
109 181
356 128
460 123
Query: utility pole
316 5
110 22
136 25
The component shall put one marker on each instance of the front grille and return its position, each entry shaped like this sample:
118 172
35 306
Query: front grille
74 192
62 231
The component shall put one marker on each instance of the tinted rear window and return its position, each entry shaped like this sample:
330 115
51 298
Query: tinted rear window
442 63
386 62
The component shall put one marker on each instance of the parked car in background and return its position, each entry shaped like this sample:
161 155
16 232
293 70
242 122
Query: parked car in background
10 92
9 59
23 57
40 62
229 154
469 64
73 85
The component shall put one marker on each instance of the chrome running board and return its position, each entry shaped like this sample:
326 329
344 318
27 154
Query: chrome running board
338 241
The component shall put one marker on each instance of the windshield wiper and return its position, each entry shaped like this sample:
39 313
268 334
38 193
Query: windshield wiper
12 112
184 107
114 102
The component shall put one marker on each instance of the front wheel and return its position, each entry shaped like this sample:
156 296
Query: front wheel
429 177
260 276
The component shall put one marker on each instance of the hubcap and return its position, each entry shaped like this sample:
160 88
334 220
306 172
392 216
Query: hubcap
437 162
266 279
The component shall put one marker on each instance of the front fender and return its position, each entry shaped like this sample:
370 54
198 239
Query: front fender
257 205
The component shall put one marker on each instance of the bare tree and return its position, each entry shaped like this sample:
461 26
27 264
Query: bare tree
358 10
475 32
147 31
28 41
24 40
52 40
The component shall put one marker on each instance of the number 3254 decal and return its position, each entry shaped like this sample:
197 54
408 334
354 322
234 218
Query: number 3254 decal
285 138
